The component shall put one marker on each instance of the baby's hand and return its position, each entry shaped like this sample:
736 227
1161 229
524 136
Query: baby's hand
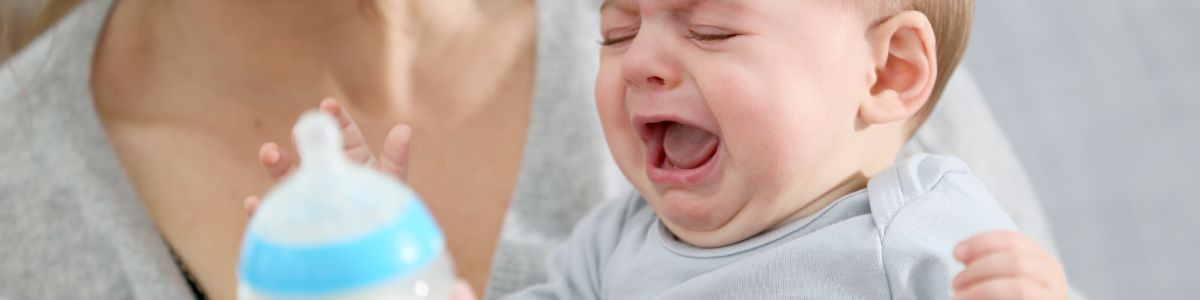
392 160
1007 265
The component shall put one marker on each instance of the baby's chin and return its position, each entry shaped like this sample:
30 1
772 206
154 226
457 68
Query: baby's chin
719 237
704 223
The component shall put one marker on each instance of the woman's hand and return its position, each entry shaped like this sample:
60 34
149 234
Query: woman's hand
1007 265
393 160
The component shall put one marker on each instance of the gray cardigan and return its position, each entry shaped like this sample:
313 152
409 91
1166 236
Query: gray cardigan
71 225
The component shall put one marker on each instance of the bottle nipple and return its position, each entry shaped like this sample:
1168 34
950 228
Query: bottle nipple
318 139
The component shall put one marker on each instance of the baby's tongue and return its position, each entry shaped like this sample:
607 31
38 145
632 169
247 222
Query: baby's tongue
688 147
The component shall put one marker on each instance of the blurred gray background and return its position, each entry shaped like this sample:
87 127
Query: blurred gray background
1101 101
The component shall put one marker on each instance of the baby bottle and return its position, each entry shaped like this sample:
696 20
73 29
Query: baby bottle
337 230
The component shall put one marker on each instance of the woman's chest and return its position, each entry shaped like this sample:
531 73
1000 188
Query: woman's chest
193 180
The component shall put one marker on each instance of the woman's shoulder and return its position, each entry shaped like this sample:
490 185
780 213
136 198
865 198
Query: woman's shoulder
57 63
68 209
44 89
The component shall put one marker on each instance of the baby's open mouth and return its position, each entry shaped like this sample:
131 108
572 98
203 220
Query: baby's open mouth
679 154
683 147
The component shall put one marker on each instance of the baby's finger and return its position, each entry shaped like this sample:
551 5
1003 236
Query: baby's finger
1031 266
984 244
276 161
394 158
251 204
352 137
1005 288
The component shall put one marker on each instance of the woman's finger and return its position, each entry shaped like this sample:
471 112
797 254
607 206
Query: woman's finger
394 158
1006 289
462 291
275 161
352 137
1007 264
991 242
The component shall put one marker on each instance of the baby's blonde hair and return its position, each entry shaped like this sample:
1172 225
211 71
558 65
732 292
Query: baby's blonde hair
951 21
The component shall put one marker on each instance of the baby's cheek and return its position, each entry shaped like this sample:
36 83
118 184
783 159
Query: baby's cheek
610 102
761 143
614 120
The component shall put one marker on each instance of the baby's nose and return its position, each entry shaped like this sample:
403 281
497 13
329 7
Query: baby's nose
647 65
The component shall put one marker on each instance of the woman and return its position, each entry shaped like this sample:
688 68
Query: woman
133 126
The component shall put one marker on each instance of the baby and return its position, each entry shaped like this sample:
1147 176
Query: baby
762 136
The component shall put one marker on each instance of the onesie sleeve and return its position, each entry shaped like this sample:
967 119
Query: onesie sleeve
934 204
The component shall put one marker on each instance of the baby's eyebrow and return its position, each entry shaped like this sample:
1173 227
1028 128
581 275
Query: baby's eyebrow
617 4
679 5
669 4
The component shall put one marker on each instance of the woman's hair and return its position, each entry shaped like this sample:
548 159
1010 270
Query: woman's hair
20 22
23 20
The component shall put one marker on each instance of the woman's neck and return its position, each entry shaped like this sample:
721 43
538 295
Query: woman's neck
365 52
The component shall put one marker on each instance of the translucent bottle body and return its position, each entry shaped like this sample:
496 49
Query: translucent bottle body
336 230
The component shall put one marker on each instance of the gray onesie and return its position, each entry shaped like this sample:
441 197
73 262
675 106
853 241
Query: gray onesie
893 239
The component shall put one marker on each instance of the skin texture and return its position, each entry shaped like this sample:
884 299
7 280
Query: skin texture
189 90
808 100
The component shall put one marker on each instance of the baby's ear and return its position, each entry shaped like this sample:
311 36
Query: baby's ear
905 59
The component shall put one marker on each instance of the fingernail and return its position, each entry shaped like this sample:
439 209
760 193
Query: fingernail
328 101
463 291
399 130
273 156
250 203
960 252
